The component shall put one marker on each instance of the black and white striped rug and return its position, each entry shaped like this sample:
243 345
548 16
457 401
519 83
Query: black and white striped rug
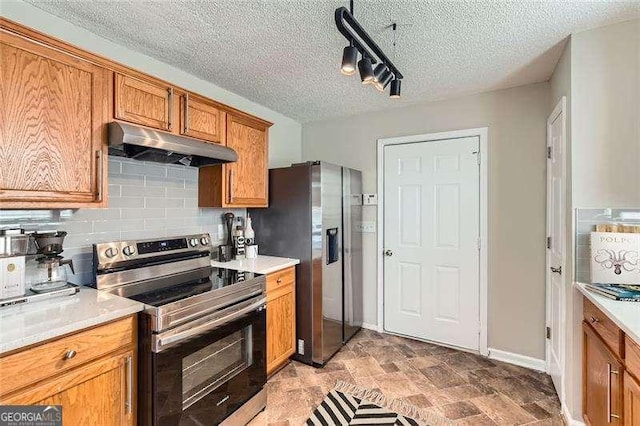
340 408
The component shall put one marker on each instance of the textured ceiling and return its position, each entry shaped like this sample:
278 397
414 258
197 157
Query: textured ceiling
286 54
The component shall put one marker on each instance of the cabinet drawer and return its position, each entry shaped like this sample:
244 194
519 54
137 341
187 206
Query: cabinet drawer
24 368
632 357
280 278
606 329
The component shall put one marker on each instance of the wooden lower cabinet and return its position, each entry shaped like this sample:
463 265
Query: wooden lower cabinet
602 387
631 400
281 318
99 392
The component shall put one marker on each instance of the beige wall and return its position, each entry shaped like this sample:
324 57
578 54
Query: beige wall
516 119
606 116
599 72
284 136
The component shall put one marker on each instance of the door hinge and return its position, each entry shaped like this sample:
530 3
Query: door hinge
549 243
549 152
548 332
477 154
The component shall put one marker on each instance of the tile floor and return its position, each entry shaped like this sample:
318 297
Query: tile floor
466 388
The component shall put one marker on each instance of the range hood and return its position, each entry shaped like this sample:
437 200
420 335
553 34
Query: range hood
128 140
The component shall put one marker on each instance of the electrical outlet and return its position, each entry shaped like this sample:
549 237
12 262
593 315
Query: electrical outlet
220 232
300 347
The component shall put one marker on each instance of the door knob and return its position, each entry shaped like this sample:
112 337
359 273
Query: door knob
388 253
557 270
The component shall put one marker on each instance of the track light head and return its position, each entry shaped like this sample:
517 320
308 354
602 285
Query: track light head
378 71
395 88
366 70
349 59
383 80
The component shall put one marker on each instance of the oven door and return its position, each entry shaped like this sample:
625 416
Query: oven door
205 370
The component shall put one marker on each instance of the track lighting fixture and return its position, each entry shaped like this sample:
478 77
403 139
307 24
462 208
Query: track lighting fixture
383 82
366 70
349 59
395 89
360 42
381 77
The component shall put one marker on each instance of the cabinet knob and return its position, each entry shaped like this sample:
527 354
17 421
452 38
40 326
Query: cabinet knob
594 320
279 280
69 354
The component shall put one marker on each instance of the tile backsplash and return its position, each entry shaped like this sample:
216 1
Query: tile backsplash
586 221
146 200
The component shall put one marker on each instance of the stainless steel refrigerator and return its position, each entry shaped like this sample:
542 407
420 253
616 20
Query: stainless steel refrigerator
313 215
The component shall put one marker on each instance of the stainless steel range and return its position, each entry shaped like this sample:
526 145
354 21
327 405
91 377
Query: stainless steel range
202 340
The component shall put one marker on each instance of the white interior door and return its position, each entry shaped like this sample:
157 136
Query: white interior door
556 247
431 241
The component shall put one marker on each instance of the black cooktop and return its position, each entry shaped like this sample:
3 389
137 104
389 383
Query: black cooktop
219 278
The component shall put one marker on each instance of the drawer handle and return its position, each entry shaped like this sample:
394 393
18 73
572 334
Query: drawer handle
69 354
279 280
610 415
128 404
594 320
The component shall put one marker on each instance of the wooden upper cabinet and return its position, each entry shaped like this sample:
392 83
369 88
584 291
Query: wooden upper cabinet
248 177
52 127
144 103
245 182
202 119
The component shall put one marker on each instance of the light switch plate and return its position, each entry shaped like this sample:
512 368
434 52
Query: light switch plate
367 227
220 232
369 199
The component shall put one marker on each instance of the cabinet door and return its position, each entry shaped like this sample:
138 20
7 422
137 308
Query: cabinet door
631 401
100 392
202 119
143 103
247 179
602 377
52 127
281 327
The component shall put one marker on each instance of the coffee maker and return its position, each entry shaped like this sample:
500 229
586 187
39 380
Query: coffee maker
14 245
47 271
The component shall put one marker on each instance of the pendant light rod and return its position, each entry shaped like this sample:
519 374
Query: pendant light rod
346 23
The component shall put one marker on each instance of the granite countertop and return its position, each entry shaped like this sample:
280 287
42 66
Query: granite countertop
31 323
259 265
625 315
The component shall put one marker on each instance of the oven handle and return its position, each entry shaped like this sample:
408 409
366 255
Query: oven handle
161 343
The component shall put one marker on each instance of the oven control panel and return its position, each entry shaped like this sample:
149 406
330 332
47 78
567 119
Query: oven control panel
108 254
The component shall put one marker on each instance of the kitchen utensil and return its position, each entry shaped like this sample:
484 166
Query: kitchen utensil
48 273
229 218
251 251
225 253
249 234
13 242
49 243
12 276
239 243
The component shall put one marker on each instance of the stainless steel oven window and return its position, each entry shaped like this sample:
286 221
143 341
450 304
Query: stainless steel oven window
205 370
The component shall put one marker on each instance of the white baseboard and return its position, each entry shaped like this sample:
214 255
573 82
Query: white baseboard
569 419
368 326
520 360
